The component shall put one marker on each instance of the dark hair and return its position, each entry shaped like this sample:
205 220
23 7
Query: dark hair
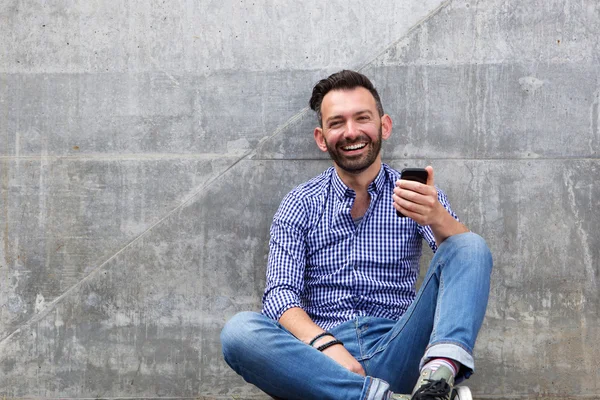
343 80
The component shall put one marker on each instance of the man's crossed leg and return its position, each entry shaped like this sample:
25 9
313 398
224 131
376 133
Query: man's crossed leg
442 323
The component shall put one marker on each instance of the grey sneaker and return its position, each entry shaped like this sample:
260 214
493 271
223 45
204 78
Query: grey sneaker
461 393
458 393
438 385
435 385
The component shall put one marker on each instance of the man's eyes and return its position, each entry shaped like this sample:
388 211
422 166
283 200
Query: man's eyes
362 118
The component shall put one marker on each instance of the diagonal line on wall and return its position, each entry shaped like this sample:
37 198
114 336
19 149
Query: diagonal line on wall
37 317
433 12
50 307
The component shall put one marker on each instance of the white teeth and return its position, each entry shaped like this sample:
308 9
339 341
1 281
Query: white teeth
355 146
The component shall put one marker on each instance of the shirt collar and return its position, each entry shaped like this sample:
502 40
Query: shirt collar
341 190
339 187
379 182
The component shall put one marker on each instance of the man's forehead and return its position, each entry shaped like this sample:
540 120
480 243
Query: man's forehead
348 100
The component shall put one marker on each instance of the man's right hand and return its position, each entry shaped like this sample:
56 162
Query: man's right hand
343 357
300 325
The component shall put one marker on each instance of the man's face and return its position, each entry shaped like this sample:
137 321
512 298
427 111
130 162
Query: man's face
352 129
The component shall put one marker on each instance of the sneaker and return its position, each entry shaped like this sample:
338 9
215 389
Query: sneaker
458 393
435 385
461 393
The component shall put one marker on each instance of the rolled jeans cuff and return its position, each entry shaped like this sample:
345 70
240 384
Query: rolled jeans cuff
375 389
454 352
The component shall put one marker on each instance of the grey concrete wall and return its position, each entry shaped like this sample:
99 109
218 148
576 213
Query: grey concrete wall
144 147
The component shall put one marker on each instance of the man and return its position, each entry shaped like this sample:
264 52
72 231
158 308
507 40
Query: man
340 318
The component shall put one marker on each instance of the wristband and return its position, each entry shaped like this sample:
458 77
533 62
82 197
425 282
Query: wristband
319 336
329 344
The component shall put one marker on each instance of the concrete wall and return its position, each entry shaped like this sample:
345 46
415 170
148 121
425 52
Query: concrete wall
144 147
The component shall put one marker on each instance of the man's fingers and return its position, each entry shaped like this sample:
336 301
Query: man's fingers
413 186
422 194
429 170
405 206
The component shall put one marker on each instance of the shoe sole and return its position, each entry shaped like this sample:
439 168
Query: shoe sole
462 393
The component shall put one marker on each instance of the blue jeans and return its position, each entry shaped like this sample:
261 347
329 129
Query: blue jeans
443 321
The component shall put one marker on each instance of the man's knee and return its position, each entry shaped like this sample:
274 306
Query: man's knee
237 332
471 239
478 245
472 246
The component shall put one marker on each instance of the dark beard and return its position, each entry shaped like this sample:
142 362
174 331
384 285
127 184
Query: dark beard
356 166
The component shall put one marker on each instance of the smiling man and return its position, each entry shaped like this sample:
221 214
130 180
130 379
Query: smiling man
341 319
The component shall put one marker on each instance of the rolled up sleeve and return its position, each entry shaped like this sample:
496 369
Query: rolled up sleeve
287 259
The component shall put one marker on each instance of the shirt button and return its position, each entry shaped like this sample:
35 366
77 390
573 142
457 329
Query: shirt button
355 298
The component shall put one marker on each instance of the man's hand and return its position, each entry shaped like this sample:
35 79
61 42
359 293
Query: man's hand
300 325
418 201
343 357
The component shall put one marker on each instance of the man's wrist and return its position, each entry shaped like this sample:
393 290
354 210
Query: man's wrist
329 344
446 226
320 338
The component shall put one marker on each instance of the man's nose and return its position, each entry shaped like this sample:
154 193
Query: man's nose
351 130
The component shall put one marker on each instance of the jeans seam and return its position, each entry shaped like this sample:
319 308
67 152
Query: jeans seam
359 340
436 317
368 392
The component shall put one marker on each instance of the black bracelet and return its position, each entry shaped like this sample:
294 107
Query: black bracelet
329 344
319 336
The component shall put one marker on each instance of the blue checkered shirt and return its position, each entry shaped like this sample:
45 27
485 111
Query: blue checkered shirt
334 269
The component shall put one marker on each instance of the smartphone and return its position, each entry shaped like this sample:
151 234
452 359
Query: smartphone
413 174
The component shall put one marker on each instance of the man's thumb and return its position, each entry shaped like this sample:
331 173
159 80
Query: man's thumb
429 170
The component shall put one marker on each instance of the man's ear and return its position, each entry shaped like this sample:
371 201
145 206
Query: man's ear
386 126
320 139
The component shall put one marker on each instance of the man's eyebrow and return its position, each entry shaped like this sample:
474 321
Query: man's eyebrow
339 116
333 118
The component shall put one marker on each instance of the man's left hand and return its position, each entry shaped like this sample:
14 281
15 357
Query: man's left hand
418 201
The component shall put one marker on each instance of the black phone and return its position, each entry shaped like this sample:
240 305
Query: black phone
413 174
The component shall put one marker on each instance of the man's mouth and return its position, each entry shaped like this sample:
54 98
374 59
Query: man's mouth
352 147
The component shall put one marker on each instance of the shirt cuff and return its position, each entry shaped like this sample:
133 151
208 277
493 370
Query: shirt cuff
279 301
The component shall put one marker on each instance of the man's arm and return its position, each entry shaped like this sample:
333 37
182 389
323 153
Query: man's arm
420 202
446 226
286 263
285 281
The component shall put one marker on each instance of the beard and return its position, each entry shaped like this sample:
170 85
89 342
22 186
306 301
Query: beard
356 164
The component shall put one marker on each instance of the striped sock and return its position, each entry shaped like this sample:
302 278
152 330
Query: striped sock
435 363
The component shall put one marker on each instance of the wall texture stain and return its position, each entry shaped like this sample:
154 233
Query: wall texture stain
144 148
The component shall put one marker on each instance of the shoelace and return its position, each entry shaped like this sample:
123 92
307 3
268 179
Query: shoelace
433 390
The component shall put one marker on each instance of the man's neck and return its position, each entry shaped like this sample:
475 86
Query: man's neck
360 182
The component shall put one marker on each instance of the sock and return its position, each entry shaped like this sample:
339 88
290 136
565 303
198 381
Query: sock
435 363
